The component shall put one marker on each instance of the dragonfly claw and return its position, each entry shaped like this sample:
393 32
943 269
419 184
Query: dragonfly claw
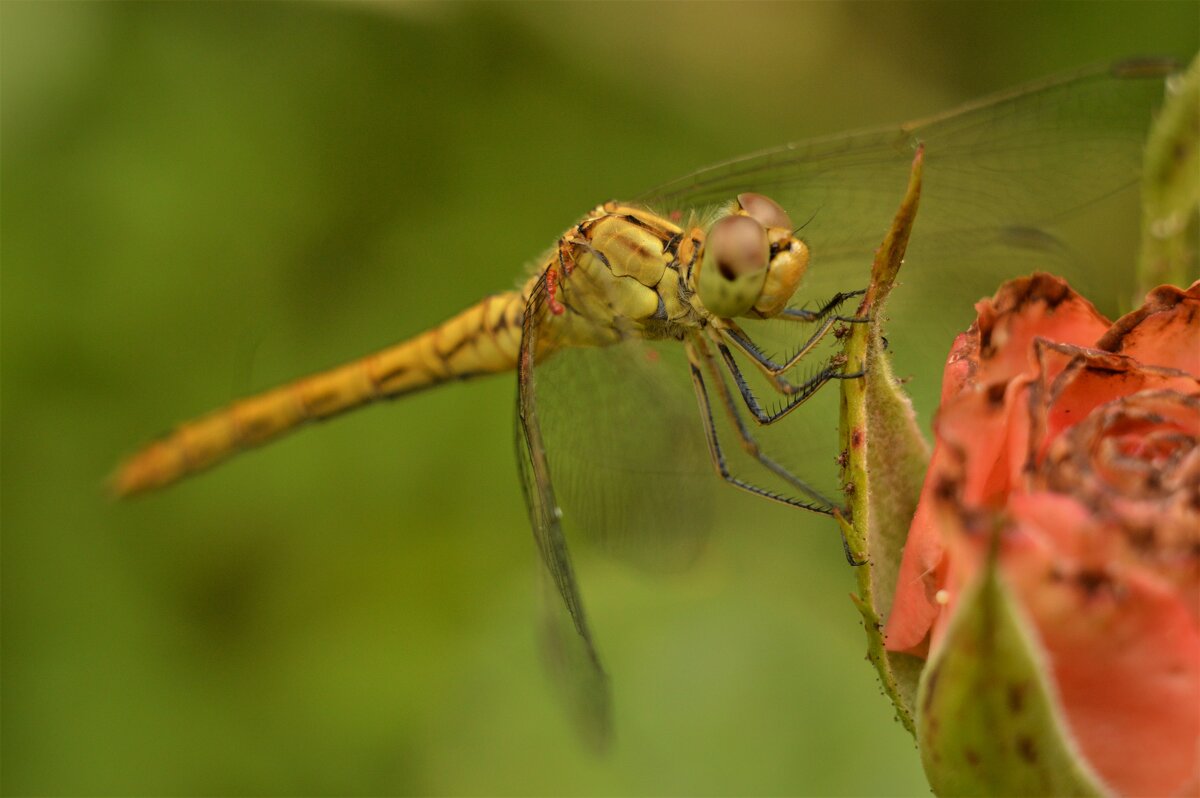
853 562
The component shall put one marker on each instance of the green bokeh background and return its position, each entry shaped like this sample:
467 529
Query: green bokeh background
200 200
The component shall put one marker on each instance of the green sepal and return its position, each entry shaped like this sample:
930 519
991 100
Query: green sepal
884 459
987 723
1171 189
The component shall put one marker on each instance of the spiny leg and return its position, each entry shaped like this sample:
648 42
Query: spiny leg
800 314
799 394
718 456
698 350
774 371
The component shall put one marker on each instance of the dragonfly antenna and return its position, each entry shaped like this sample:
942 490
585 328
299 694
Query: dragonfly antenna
807 221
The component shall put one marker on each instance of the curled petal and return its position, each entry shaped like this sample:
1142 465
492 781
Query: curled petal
1072 381
1165 331
1135 463
1038 306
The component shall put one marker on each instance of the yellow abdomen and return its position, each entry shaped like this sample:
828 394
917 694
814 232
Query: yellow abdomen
484 339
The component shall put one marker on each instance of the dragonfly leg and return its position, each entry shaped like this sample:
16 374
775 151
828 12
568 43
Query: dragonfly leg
774 371
797 394
751 446
820 505
801 314
745 439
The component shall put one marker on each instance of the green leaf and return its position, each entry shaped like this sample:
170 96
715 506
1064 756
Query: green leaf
884 460
1171 189
987 723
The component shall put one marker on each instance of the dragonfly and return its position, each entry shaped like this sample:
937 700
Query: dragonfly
645 341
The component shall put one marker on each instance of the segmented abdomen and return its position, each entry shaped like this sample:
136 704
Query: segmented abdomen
484 339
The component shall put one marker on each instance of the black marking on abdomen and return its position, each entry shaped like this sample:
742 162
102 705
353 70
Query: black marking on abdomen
318 406
456 348
257 430
395 371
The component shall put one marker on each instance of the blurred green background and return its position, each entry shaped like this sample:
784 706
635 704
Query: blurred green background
200 200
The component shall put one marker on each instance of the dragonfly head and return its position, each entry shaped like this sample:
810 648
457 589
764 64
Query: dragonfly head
752 263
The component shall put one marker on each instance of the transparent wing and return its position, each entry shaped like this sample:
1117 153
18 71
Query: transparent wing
613 453
1013 160
1001 175
570 651
627 451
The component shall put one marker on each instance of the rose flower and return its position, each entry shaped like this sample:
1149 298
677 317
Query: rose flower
1068 449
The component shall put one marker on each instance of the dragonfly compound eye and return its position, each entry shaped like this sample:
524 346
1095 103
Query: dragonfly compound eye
764 210
734 267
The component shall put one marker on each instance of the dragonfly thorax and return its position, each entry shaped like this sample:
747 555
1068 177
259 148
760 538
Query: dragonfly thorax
626 271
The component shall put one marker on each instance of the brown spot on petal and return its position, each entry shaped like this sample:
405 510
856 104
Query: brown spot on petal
1165 331
1023 310
856 437
946 489
1053 291
1091 582
1161 299
1141 539
972 757
1014 295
